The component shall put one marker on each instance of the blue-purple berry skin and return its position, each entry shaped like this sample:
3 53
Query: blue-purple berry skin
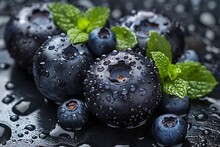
73 114
169 129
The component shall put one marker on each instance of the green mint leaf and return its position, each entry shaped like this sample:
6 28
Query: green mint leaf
159 43
97 17
177 87
125 38
162 62
83 23
77 36
65 15
173 72
200 79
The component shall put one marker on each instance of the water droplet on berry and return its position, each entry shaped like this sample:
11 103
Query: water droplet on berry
142 91
47 74
132 88
100 68
124 91
108 98
107 85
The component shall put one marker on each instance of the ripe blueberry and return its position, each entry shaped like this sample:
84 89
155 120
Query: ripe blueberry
26 31
101 41
122 89
59 68
169 129
175 105
143 22
189 55
73 114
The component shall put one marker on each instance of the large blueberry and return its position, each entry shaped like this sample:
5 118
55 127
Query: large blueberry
143 22
59 68
26 31
123 89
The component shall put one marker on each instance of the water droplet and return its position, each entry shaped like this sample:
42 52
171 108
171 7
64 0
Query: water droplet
5 133
142 92
114 52
115 94
43 135
4 66
49 27
30 127
47 74
107 85
8 99
206 132
25 107
124 91
14 118
100 68
9 86
107 62
132 88
108 98
201 116
52 47
20 135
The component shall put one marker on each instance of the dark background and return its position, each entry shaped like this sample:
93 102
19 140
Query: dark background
32 120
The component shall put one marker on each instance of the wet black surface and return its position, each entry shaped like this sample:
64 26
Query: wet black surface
27 119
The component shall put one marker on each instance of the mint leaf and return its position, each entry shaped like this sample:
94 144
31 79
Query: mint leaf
125 38
83 23
177 87
162 62
173 72
65 15
159 43
97 17
200 79
77 36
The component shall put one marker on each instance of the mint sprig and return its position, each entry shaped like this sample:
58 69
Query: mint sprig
157 42
181 79
65 15
125 38
71 20
200 79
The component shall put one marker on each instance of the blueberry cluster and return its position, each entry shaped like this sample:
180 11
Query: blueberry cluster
120 88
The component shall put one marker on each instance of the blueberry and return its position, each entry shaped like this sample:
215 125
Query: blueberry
101 41
189 55
59 68
122 89
169 129
143 22
26 31
73 114
175 105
